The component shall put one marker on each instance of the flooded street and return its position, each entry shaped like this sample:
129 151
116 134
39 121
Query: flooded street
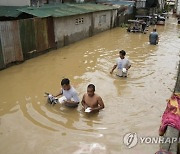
134 104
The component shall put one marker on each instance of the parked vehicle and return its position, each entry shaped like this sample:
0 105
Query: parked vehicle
147 19
165 15
160 20
136 26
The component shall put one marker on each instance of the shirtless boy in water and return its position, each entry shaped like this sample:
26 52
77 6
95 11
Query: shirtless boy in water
92 100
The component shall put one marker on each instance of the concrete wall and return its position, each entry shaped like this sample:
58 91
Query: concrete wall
142 12
161 4
114 19
102 21
178 8
67 30
74 28
14 2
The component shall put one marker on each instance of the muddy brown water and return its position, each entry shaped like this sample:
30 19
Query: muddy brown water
135 104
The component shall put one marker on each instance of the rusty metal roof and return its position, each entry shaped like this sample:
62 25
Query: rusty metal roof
60 10
9 11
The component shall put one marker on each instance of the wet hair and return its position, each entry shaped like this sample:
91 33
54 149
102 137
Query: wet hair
91 86
65 81
154 29
122 52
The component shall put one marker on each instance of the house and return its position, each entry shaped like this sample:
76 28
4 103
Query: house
125 9
29 2
15 2
73 22
38 2
178 8
148 7
161 4
49 26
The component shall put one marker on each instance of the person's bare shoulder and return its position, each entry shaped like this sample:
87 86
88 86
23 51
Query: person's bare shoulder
98 97
85 95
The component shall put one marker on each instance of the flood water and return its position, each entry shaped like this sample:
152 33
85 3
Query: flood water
134 104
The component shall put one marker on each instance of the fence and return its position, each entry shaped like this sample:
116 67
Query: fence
19 39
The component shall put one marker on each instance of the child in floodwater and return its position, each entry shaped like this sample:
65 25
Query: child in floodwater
122 64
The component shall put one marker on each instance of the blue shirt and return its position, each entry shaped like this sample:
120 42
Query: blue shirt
153 38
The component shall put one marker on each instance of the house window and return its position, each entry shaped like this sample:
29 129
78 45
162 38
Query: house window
79 21
102 19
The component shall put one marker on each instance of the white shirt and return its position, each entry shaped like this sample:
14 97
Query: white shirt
122 63
71 94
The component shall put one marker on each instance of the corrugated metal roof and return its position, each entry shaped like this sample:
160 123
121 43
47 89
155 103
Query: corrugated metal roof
117 2
9 11
92 7
64 9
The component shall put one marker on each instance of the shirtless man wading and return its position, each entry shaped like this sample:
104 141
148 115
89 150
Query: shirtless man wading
92 100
